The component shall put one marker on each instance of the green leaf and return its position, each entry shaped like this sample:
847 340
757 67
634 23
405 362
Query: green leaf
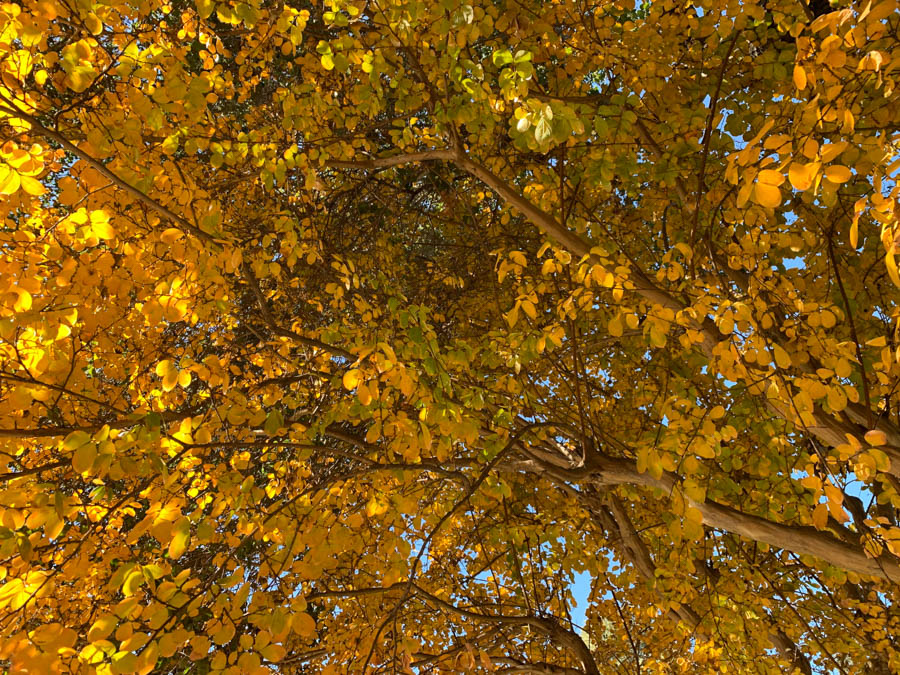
204 8
502 57
75 440
274 422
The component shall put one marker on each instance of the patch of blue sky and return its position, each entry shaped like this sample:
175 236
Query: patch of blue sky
581 591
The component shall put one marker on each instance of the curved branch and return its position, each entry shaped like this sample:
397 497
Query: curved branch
639 555
799 539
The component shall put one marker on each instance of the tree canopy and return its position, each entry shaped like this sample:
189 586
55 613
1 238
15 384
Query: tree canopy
343 337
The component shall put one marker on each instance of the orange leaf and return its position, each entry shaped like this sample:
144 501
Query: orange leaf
767 195
802 176
799 77
770 177
838 174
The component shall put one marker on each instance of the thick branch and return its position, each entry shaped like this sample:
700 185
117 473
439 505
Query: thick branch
388 162
639 555
799 539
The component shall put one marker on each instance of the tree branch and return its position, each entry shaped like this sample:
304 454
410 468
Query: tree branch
284 332
103 170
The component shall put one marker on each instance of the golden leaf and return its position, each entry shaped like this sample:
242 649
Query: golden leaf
799 77
802 176
838 174
766 194
351 379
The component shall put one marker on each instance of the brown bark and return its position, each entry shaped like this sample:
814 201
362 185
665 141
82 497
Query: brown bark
636 551
800 539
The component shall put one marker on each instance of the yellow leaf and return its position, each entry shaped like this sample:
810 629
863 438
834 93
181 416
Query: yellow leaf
835 499
802 176
693 515
23 303
837 400
93 24
838 174
169 373
811 148
726 324
782 359
876 437
75 440
103 230
224 634
854 233
182 535
204 8
675 529
769 123
830 151
704 449
892 268
351 379
836 58
20 62
171 235
102 628
124 663
200 645
81 77
375 506
363 394
304 624
32 186
83 459
770 177
10 181
820 516
615 326
767 195
528 308
273 653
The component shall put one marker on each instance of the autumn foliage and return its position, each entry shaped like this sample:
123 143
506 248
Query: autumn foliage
343 337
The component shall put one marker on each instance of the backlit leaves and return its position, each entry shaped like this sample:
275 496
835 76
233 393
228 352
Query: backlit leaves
346 338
